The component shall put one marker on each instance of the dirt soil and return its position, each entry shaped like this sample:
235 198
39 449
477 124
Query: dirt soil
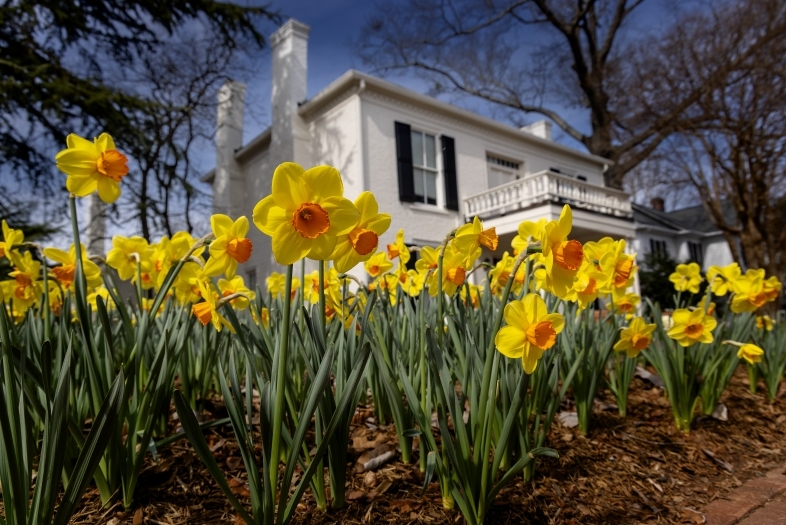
634 470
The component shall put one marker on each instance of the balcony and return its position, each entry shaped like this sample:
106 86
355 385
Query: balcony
545 187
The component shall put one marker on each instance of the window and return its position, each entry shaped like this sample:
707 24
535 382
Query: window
695 253
424 166
501 171
252 280
657 246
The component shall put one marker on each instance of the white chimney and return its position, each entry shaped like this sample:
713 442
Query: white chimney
95 233
541 128
289 137
228 180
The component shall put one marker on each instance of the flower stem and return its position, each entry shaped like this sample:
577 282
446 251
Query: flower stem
278 414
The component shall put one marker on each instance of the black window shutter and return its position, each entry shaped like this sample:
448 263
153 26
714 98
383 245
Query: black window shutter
406 181
449 166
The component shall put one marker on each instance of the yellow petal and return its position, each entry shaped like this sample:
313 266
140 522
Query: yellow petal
240 227
76 162
74 141
556 320
290 190
532 355
342 213
58 255
322 247
345 257
510 341
516 315
367 205
81 186
104 142
380 224
288 245
324 182
268 216
108 189
220 224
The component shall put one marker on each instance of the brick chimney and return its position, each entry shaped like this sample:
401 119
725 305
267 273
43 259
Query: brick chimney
657 203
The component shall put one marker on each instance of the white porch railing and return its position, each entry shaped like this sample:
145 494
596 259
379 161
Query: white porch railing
547 186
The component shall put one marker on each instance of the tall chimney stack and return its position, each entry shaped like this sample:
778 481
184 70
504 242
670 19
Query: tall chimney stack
228 180
289 139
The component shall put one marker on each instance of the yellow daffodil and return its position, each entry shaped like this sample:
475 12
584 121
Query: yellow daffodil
11 238
362 242
264 314
749 293
168 252
377 265
103 293
475 292
635 338
763 322
398 249
66 272
530 330
687 278
233 286
125 253
586 286
772 287
500 275
749 352
25 288
722 279
207 310
276 282
690 327
230 247
417 280
528 231
305 213
427 262
93 165
454 272
624 303
470 237
563 257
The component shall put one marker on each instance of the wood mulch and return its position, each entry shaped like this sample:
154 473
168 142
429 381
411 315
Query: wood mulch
633 470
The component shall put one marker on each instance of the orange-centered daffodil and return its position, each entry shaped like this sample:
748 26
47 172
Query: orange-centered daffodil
361 243
690 327
230 247
530 330
93 165
305 213
635 338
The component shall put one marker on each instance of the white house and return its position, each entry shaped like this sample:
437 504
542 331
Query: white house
430 164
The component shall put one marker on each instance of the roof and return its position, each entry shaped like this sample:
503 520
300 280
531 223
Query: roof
354 78
693 218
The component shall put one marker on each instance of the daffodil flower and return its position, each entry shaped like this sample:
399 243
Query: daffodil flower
362 242
305 213
454 273
749 293
207 311
624 303
763 322
723 279
25 288
103 293
66 272
563 257
690 327
635 338
398 249
11 238
687 278
93 165
470 237
530 331
125 253
751 353
377 265
236 286
230 247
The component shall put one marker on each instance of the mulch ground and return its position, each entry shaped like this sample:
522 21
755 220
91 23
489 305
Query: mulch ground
634 470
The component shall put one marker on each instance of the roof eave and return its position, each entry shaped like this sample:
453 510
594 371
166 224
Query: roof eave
353 76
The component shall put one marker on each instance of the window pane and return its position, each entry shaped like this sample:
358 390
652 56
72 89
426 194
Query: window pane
431 186
431 151
418 174
417 148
